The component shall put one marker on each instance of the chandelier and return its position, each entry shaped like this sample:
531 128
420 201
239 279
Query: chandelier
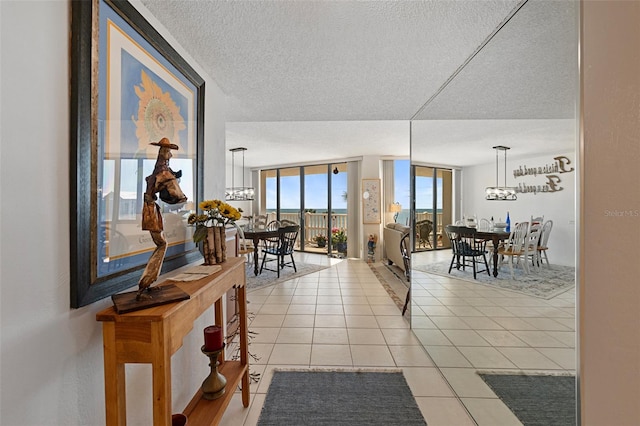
238 193
501 193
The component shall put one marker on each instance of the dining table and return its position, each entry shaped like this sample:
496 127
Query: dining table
496 237
260 234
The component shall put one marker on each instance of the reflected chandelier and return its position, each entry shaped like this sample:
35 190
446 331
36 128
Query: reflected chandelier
501 193
238 193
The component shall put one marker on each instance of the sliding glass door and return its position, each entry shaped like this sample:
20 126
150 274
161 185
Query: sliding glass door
433 208
316 206
315 197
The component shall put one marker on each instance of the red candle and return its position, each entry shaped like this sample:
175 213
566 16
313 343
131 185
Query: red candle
212 338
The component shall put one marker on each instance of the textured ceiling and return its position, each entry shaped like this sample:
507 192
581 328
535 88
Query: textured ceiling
323 80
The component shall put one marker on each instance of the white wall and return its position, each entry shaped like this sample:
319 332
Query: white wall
371 168
51 355
558 206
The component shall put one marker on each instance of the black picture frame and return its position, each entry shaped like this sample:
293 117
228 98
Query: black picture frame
88 285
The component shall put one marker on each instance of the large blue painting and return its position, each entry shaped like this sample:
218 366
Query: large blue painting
143 91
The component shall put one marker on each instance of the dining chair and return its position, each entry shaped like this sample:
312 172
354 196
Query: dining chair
273 225
245 247
260 221
539 219
484 224
279 247
515 247
467 249
532 242
424 229
543 245
406 260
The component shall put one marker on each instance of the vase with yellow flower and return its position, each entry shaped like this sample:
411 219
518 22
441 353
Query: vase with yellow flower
210 229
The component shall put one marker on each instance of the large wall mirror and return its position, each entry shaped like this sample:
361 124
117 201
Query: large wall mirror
519 90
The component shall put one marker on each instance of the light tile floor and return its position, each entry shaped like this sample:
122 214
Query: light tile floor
343 318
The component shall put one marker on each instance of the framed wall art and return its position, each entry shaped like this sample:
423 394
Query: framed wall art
371 201
129 88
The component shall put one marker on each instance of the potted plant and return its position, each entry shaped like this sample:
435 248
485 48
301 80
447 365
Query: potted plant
320 240
339 239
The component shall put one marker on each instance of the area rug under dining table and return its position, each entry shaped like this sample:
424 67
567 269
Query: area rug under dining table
544 282
339 398
268 277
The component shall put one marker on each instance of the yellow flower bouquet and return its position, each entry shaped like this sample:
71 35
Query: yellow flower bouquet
215 213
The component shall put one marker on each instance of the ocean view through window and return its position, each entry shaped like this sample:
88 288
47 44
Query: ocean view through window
315 197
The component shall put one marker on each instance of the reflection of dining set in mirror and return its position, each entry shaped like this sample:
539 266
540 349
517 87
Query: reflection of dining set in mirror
484 245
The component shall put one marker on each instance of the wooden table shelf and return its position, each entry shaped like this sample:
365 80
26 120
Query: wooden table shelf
204 412
153 335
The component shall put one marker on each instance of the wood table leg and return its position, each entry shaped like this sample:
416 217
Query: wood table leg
114 379
161 376
244 335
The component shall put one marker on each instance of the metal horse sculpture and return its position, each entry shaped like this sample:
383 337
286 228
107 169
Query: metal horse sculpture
163 180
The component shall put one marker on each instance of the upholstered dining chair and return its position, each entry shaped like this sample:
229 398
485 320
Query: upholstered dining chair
515 248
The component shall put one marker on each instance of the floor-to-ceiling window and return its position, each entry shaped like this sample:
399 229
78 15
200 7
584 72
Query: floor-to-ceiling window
316 206
433 209
315 197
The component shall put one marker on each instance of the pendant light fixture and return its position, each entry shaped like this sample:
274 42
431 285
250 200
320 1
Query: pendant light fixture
240 193
501 193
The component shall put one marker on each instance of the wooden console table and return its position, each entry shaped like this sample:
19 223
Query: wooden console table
153 335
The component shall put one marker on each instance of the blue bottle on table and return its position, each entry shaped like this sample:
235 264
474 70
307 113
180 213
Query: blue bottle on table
508 222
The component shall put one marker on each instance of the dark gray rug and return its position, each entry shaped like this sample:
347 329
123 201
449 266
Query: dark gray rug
267 278
339 398
545 283
537 400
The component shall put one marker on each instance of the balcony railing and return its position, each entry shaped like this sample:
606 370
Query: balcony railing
426 215
314 224
317 223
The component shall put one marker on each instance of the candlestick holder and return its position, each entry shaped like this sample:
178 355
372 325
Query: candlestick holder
213 386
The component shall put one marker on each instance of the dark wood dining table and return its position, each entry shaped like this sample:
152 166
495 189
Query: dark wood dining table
496 237
258 235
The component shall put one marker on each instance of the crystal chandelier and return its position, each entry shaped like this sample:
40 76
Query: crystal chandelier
501 193
238 193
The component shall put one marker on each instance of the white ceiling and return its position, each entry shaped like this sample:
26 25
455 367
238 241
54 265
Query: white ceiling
315 80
